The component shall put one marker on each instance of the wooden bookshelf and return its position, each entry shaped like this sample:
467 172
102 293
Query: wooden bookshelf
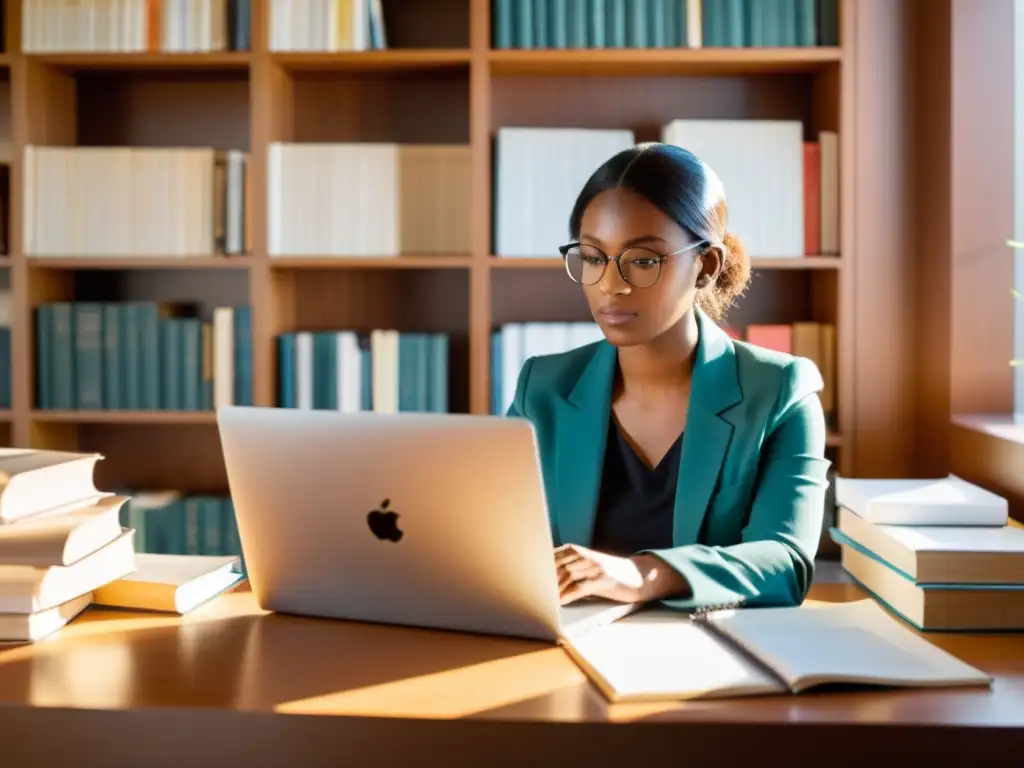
440 82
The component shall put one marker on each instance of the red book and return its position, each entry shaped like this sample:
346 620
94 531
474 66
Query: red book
812 198
777 337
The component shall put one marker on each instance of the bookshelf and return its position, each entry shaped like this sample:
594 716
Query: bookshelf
439 82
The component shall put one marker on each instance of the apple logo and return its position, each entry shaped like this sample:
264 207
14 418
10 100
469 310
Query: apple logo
383 523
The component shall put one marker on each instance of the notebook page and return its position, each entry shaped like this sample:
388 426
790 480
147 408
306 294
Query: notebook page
855 642
658 655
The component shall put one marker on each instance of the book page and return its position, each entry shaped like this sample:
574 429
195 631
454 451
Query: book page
659 655
855 642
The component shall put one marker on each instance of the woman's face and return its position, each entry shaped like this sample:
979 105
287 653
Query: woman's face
618 219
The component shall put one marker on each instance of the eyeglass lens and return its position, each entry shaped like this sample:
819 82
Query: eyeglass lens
639 266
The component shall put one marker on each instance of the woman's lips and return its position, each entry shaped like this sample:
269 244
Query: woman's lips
616 316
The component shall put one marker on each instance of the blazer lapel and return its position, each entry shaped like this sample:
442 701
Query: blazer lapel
580 445
715 387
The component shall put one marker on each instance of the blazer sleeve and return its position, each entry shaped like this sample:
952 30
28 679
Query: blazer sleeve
518 407
773 564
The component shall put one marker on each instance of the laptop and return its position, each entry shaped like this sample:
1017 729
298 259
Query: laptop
416 519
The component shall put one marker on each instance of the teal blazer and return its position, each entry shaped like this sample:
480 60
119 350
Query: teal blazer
752 473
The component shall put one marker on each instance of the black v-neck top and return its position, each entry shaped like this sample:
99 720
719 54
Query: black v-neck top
636 503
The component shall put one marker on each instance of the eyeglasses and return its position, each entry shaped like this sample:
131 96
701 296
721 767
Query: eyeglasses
639 267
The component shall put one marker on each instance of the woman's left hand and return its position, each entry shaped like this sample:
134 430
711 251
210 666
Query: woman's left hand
583 573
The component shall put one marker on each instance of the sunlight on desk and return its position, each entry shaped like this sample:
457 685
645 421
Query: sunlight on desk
453 693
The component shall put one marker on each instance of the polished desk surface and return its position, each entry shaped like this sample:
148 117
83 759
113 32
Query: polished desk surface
233 672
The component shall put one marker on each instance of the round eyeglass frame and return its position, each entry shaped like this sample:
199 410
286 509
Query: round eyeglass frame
662 257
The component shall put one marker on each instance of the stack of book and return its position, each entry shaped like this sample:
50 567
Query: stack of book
60 539
941 553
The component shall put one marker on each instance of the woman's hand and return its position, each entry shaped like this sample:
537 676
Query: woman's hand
584 573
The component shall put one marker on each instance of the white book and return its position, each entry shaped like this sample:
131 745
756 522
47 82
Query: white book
761 651
29 627
26 589
934 501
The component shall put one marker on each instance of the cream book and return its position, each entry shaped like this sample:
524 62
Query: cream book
37 481
171 583
20 628
939 501
660 655
63 536
28 589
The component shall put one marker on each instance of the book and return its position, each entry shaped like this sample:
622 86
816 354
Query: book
940 554
170 583
932 607
63 536
936 501
21 628
658 654
28 589
34 481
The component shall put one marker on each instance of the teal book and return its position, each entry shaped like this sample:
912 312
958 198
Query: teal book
325 371
211 526
287 397
616 16
503 14
131 356
366 371
637 25
541 24
806 23
112 380
147 316
577 23
243 355
44 357
732 26
558 23
437 372
523 19
170 364
828 22
657 22
88 356
411 370
191 363
710 26
496 373
596 24
755 26
62 361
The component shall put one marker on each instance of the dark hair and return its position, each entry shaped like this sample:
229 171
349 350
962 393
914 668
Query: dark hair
685 189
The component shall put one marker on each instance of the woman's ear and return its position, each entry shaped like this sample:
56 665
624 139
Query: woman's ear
711 263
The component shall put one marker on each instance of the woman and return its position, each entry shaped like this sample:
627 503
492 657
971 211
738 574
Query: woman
679 466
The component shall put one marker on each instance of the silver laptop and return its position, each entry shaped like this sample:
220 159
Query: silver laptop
430 520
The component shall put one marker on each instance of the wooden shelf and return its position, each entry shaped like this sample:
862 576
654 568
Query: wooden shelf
440 84
80 62
793 263
139 262
371 262
125 417
373 61
689 61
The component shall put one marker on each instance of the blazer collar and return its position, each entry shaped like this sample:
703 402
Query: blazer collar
582 434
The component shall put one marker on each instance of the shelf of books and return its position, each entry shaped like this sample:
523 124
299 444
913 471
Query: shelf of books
357 206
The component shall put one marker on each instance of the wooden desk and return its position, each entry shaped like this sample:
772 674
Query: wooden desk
230 685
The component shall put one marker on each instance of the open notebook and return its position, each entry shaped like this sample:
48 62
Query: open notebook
659 655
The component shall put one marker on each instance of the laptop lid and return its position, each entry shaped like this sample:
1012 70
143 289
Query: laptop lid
431 520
